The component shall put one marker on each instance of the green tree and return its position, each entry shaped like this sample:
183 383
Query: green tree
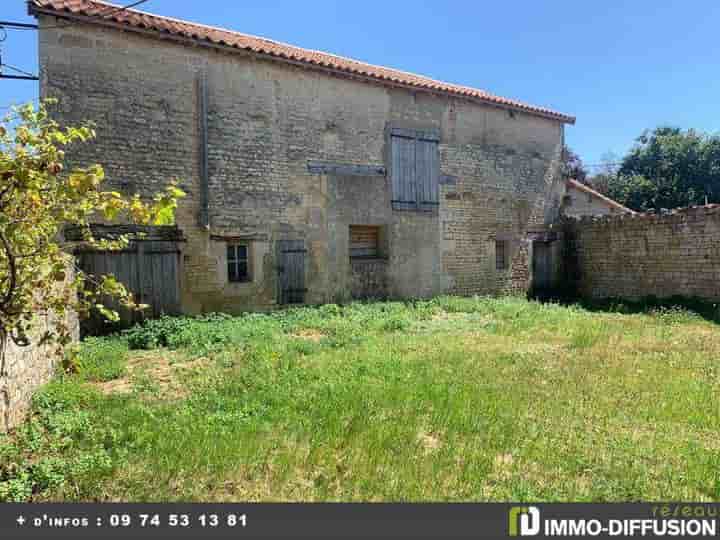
573 165
667 168
604 174
38 198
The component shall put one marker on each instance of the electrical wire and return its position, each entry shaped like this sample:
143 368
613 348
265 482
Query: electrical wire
18 70
111 10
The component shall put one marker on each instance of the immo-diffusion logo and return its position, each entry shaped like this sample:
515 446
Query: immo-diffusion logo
525 519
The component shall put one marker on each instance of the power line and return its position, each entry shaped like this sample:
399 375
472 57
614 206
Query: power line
17 26
599 165
9 25
17 70
19 77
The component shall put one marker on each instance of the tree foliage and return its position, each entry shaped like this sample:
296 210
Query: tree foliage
573 165
667 168
38 198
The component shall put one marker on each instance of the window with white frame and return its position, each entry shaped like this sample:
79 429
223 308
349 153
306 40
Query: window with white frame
238 263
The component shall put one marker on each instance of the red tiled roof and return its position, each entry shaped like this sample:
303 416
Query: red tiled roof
608 200
103 12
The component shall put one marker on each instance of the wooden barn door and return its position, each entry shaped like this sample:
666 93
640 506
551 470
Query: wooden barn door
291 271
149 269
541 266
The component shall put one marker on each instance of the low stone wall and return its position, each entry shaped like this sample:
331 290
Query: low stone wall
626 256
24 369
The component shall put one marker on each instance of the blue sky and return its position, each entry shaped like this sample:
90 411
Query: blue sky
619 66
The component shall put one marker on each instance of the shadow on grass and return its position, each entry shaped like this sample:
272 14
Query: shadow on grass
710 311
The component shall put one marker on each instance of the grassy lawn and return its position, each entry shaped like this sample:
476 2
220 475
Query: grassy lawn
451 399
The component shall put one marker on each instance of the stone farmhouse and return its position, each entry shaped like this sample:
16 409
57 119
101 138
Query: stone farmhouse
311 178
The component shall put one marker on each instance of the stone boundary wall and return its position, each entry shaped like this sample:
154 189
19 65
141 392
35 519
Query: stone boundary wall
23 370
636 256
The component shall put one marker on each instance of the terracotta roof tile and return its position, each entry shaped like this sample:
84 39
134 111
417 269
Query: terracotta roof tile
138 19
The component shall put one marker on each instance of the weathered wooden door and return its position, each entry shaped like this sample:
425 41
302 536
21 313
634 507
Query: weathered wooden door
541 266
149 269
291 271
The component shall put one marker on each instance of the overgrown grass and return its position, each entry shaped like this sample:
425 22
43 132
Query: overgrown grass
102 360
449 399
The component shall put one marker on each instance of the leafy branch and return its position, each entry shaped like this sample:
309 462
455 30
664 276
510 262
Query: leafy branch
38 198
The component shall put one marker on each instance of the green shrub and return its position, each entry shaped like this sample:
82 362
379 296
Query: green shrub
155 333
200 335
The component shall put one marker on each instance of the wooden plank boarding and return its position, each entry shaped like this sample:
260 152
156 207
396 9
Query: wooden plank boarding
344 169
542 266
148 269
364 240
291 271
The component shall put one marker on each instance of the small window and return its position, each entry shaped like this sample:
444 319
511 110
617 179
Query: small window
590 198
364 241
501 255
237 261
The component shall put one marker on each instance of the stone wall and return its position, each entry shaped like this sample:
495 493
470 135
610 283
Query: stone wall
24 369
368 278
266 121
644 255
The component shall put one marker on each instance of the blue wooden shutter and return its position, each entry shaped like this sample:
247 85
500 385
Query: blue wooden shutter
415 169
403 173
428 172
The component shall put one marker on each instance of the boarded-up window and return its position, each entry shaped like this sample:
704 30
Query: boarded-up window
415 169
364 241
501 255
237 261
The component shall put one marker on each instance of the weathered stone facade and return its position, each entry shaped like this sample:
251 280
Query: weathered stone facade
646 255
266 121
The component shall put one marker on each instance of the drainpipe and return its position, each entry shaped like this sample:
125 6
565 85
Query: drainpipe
202 106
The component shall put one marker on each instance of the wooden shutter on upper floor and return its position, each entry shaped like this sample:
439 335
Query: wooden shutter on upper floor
403 173
427 166
415 169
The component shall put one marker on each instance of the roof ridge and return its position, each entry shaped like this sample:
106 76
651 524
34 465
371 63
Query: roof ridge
261 45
